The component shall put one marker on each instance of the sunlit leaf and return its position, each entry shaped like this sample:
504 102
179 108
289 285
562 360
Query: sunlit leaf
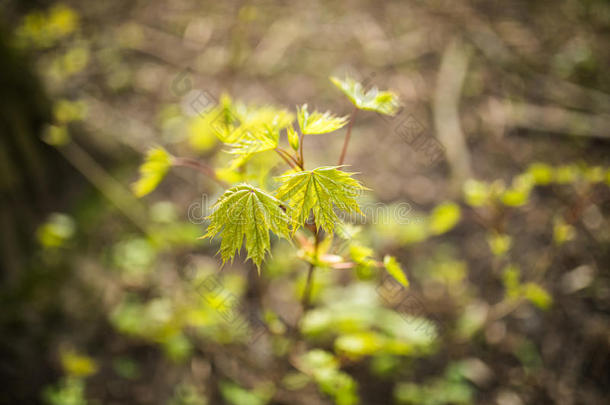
155 167
567 174
541 172
293 137
359 344
510 278
519 192
444 217
537 295
249 129
562 231
78 365
320 191
56 231
476 193
395 270
246 211
236 395
499 243
317 122
384 102
324 368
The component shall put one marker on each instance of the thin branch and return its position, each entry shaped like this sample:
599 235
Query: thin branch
347 137
200 167
286 159
288 155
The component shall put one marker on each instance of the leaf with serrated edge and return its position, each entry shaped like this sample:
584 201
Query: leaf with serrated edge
246 211
318 123
383 102
259 132
319 191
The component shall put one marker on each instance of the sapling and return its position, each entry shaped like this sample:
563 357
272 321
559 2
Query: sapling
307 199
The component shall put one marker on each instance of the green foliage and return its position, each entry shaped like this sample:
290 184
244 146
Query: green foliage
537 296
78 365
152 171
476 193
451 389
354 316
319 191
395 270
499 243
187 394
324 368
235 121
562 231
383 102
532 292
246 211
58 229
541 173
236 395
69 391
293 137
444 217
43 30
317 122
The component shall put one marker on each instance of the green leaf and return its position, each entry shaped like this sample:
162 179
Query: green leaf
317 122
236 395
542 173
258 131
293 137
383 102
324 368
395 270
235 121
444 217
247 211
476 193
319 191
537 295
499 243
257 139
152 171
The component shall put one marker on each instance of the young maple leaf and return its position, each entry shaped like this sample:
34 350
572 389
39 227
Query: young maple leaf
383 102
152 171
319 191
317 122
246 211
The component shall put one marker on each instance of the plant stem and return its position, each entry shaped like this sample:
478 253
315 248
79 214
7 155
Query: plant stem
347 136
288 155
286 158
306 300
200 167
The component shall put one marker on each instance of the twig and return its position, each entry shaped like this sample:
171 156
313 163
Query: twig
286 159
288 155
201 167
347 137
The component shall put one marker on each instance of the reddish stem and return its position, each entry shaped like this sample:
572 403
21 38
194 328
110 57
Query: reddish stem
347 137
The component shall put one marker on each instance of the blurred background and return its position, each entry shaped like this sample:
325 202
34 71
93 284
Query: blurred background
490 186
